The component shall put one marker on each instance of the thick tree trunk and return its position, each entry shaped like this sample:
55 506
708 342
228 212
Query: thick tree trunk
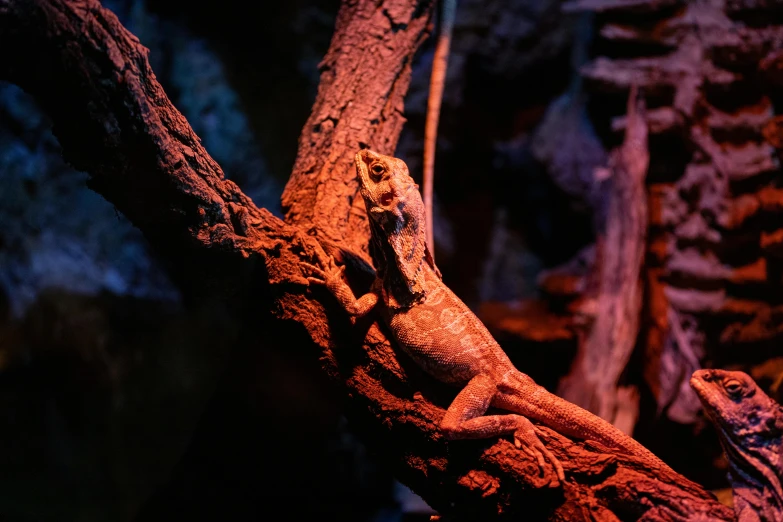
115 122
364 78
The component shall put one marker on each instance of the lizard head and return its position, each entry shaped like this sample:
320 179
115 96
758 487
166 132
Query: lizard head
730 397
396 215
749 423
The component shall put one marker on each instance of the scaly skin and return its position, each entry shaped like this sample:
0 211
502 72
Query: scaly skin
750 428
443 336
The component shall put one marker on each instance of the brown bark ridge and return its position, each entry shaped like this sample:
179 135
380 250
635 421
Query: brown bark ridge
115 122
607 346
364 77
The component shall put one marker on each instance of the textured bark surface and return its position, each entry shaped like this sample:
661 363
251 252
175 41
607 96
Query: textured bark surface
710 72
713 194
607 346
364 78
115 122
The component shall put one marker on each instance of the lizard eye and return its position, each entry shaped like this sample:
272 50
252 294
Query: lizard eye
377 169
733 387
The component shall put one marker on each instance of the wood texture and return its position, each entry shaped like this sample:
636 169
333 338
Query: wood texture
364 77
608 345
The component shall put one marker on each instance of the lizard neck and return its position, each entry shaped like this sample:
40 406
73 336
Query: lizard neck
399 293
750 495
403 262
755 465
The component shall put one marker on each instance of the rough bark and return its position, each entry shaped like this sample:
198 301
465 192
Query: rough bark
115 122
607 346
711 255
364 77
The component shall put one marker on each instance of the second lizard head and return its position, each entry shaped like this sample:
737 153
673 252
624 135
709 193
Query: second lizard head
750 428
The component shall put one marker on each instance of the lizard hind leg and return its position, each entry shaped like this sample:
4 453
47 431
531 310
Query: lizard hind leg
465 419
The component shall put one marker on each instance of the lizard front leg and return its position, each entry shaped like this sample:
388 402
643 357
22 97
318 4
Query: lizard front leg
465 419
330 275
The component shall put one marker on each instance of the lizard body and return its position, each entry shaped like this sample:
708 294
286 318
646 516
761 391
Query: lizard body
438 331
750 429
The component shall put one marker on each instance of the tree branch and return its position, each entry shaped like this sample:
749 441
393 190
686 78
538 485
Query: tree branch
593 382
115 122
364 78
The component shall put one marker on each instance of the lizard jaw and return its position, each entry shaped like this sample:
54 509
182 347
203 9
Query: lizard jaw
384 205
700 383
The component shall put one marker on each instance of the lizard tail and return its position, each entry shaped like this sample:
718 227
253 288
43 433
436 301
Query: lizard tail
535 402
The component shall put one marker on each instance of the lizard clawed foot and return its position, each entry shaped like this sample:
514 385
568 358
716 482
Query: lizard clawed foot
526 439
328 273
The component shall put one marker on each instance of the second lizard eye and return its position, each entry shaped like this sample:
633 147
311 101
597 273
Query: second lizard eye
734 387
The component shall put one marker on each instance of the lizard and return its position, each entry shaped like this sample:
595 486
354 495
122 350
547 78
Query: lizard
440 63
750 429
440 333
